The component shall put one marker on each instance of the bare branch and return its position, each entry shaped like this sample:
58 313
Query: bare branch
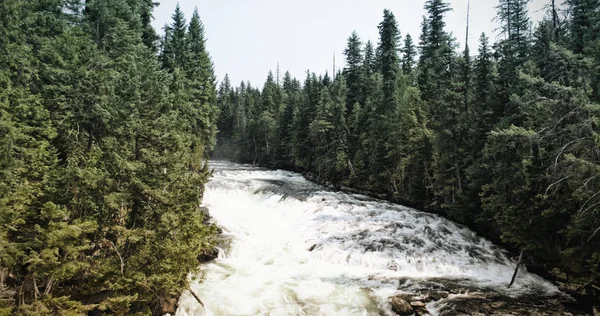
588 200
594 234
196 296
557 182
118 254
36 291
560 153
49 285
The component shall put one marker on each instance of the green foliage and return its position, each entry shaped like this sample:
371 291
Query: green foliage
409 53
354 71
103 158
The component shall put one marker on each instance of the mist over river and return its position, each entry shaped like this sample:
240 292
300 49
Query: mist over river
297 248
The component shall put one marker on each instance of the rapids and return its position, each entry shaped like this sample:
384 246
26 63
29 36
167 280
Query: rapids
297 248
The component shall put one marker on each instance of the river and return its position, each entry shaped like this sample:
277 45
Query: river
297 248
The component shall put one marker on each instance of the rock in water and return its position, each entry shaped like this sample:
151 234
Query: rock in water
401 307
205 215
208 255
417 304
169 306
437 295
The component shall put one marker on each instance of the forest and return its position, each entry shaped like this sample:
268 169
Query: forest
105 132
505 140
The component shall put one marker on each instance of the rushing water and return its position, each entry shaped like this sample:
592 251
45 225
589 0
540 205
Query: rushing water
298 248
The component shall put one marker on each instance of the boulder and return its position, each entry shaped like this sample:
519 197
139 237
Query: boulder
401 307
417 304
437 295
169 306
208 255
205 215
596 310
409 297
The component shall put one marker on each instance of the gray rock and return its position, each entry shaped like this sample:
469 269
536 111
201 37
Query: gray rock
417 304
401 307
437 295
208 255
205 215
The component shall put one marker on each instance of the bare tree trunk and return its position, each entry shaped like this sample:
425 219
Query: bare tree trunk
516 269
196 297
36 292
555 20
49 285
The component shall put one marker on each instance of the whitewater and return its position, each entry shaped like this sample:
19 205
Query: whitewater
297 248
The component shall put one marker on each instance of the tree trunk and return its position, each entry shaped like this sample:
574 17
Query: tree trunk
555 20
516 269
196 297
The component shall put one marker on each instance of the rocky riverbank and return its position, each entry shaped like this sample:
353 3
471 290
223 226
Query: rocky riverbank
451 298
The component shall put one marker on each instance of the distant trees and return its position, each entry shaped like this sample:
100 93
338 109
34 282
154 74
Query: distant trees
506 141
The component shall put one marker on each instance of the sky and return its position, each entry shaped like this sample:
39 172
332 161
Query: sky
247 38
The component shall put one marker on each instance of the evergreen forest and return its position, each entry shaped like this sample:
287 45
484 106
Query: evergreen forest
107 127
504 138
105 131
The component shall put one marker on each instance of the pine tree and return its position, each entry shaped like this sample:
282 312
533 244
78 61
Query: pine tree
389 36
585 24
369 64
515 24
329 132
149 36
306 114
201 80
174 48
354 70
409 53
485 113
513 15
226 121
292 100
436 52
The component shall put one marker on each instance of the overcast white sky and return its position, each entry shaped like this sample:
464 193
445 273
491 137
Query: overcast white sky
246 38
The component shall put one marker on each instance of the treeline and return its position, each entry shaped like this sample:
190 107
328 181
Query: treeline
506 140
102 163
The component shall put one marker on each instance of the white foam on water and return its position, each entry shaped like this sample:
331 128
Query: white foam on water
360 249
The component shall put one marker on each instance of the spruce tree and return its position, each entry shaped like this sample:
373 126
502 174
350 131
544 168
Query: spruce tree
226 121
389 37
409 53
292 100
201 80
353 70
369 64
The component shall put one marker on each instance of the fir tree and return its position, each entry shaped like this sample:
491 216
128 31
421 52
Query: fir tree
354 70
409 53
